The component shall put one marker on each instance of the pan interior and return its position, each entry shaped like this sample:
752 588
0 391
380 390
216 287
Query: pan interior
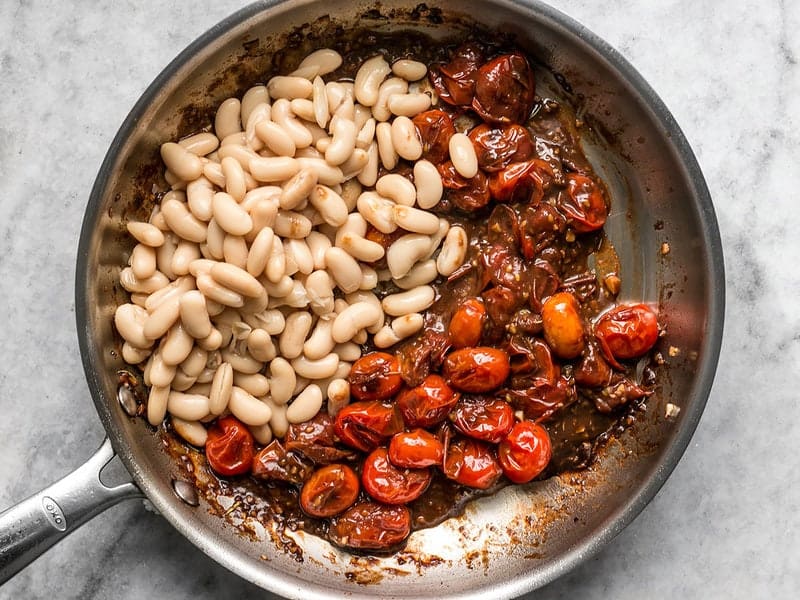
524 536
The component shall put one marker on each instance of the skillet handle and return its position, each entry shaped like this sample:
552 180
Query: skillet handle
38 522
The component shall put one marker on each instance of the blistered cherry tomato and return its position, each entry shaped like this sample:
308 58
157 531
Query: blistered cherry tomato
275 462
428 403
583 203
229 447
505 89
435 129
329 491
472 463
375 376
466 194
476 370
364 425
563 326
371 526
484 419
592 371
497 146
415 449
525 452
519 182
389 484
467 323
627 331
454 82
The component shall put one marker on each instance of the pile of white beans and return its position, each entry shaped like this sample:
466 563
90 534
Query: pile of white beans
234 305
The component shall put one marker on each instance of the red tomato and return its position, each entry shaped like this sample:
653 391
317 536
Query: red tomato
389 484
467 323
415 449
520 182
435 129
505 90
563 326
476 370
364 425
496 146
329 491
483 419
275 462
375 376
428 403
583 203
472 463
455 82
229 447
627 331
371 526
593 370
525 452
466 194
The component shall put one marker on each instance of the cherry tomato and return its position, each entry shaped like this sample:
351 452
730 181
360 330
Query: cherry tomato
435 129
389 484
274 462
371 526
520 182
541 226
364 425
563 326
315 439
498 145
592 371
415 449
583 203
505 89
525 452
466 194
476 370
329 491
467 323
472 463
375 376
539 398
627 331
484 419
428 403
229 447
454 82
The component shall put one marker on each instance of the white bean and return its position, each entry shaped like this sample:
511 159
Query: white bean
367 296
318 243
409 105
353 319
234 178
319 289
329 204
428 183
281 288
407 325
338 396
182 163
410 70
131 283
259 252
283 86
162 318
421 273
191 431
185 254
385 337
283 116
344 269
199 195
436 238
326 174
300 254
291 224
190 407
157 404
368 79
173 290
343 143
200 143
282 380
319 100
462 153
366 134
145 233
320 343
253 383
411 301
212 342
133 355
129 320
194 364
316 368
325 60
238 138
234 250
390 87
369 173
182 382
255 96
305 406
276 138
298 188
261 346
242 154
348 351
361 248
247 408
177 345
228 119
218 293
181 221
215 240
378 211
416 220
405 138
304 109
404 253
276 168
397 188
298 325
386 151
242 362
454 250
213 172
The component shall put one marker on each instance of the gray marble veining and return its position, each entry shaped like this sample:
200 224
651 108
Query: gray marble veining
726 523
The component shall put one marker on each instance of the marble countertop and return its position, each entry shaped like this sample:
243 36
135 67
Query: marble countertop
725 524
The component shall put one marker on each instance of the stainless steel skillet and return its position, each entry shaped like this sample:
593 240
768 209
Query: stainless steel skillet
512 542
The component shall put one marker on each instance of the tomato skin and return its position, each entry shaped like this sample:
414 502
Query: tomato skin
435 128
229 447
472 463
627 331
525 452
364 425
375 376
489 420
329 491
427 404
371 526
505 89
389 484
467 323
563 326
476 370
520 182
415 449
454 82
497 146
583 203
275 462
466 194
